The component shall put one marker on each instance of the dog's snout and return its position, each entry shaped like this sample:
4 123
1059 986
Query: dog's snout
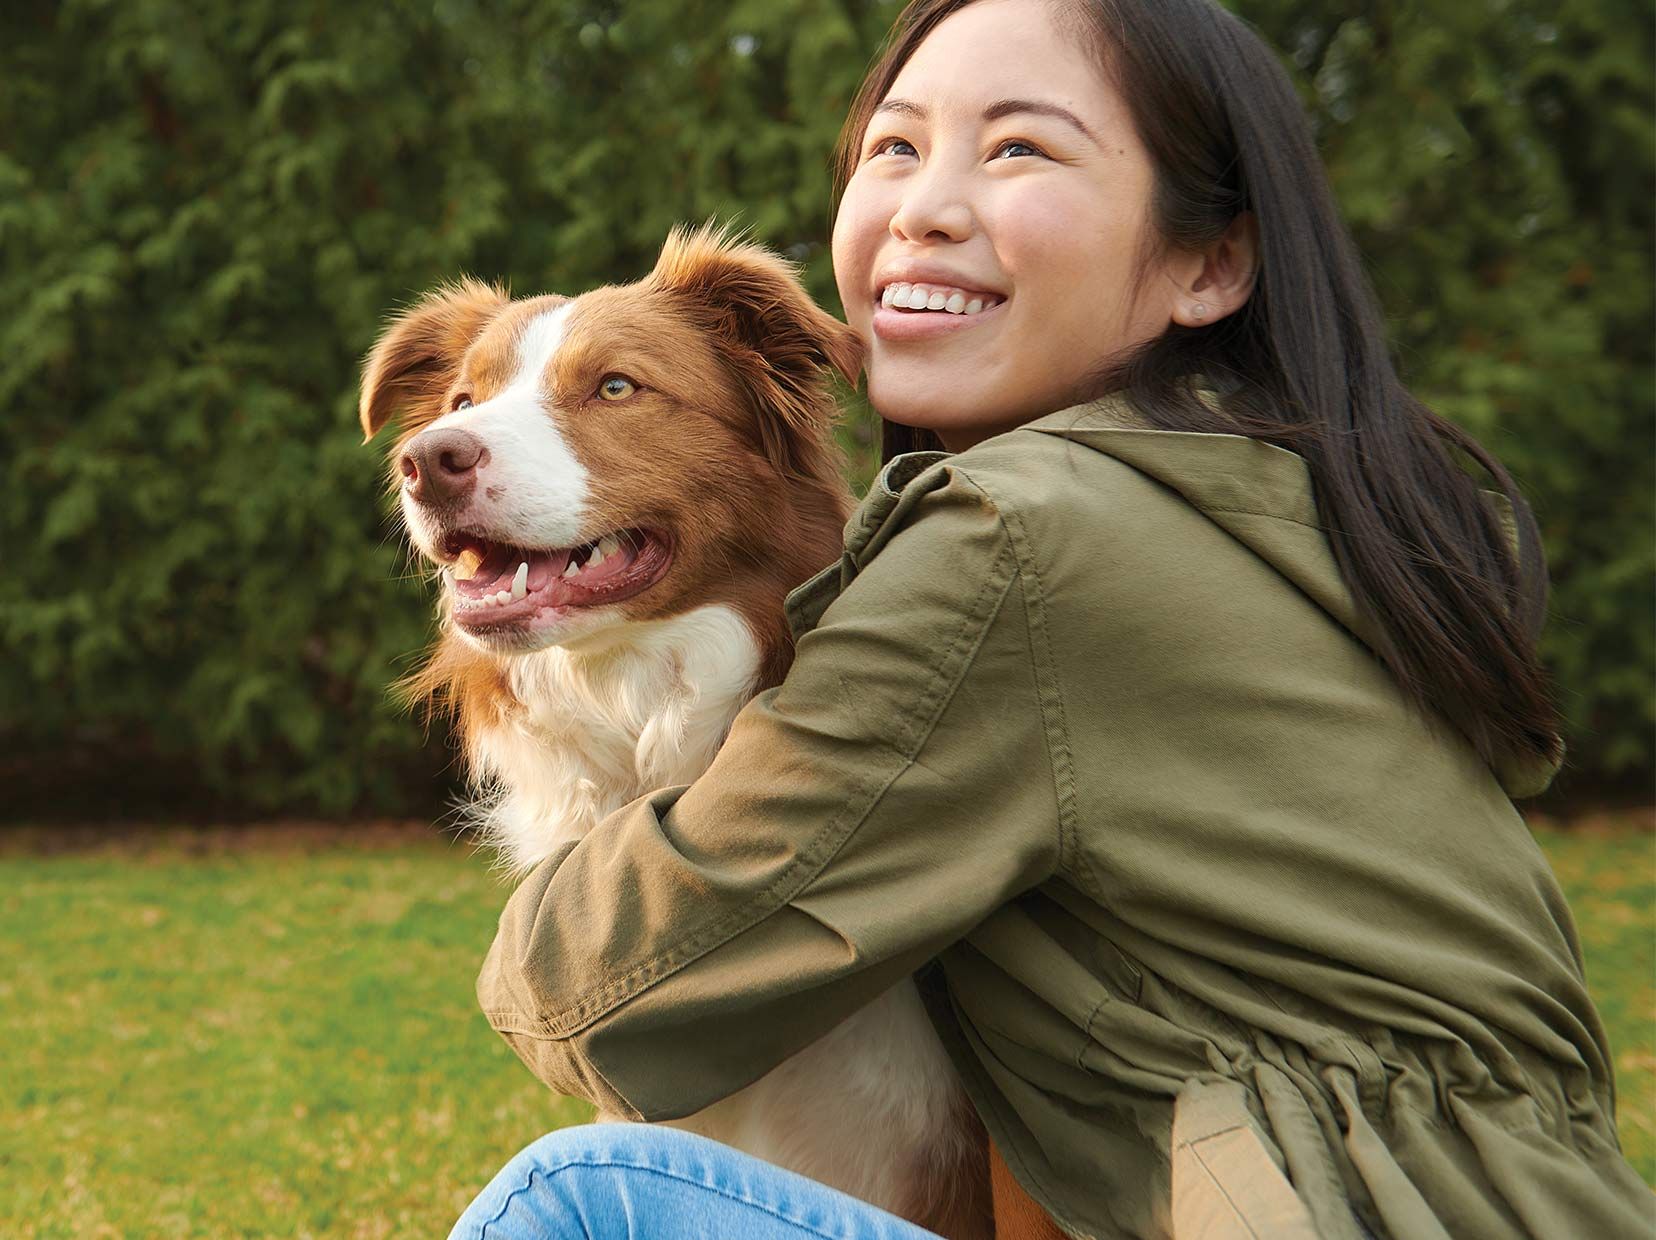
440 467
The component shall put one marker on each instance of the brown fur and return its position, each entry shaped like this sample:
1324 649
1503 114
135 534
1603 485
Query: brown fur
413 363
729 437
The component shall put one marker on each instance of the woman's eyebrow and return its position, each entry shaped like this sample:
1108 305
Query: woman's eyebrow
996 110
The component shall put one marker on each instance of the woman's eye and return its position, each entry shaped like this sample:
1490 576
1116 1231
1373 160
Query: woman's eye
885 146
462 401
1012 148
616 387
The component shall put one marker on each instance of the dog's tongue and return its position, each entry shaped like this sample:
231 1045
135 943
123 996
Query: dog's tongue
483 568
543 565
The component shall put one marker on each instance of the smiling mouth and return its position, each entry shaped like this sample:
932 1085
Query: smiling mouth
937 299
495 585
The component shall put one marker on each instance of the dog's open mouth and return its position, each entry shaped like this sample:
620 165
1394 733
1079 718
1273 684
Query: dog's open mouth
495 584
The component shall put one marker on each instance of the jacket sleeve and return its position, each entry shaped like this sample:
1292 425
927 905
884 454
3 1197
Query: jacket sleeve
863 815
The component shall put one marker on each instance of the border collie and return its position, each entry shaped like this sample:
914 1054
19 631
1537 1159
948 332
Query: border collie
618 490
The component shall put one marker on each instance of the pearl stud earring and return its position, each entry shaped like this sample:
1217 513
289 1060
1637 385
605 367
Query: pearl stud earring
1199 310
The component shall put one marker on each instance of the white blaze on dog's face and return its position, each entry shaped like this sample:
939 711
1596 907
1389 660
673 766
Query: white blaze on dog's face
536 488
578 463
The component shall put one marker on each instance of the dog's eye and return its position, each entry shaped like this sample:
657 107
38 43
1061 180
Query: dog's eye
616 387
463 401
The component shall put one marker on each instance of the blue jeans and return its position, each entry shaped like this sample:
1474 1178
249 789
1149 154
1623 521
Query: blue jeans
615 1181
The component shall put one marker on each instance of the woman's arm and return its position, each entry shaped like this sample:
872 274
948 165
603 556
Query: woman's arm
863 815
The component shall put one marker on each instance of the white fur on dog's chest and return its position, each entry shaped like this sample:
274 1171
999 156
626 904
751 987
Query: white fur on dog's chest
599 726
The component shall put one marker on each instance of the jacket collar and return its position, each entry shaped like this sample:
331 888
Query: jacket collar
1216 473
1263 496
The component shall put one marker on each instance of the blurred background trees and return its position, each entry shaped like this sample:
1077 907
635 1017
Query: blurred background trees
206 209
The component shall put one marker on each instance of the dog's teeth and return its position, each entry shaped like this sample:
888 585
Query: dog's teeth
597 556
520 582
571 568
505 596
465 564
608 545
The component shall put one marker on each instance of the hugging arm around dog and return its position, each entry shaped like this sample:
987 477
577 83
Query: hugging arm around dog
1085 716
1166 729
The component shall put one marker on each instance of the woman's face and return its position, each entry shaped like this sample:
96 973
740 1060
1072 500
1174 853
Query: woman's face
1002 172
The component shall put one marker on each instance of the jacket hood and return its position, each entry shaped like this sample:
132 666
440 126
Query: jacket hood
1262 495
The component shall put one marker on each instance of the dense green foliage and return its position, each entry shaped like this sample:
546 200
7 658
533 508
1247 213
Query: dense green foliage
281 1039
206 209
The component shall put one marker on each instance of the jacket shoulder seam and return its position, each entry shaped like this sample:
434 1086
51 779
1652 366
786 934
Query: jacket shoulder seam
1048 692
921 720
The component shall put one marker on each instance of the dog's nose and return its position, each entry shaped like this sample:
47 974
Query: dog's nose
440 467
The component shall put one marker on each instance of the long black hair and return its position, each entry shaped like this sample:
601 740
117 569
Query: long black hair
1457 596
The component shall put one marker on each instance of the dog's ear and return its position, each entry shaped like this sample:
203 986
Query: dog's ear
420 349
780 343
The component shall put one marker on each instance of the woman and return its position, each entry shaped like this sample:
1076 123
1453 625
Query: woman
1174 716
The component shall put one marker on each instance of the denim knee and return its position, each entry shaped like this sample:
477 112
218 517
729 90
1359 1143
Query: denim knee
645 1182
549 1187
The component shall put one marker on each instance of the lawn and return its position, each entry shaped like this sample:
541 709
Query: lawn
274 1040
274 1034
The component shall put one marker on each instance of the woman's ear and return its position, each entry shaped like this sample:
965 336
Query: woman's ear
419 352
780 343
1218 280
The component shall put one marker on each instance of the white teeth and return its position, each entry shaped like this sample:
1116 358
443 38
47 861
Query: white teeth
924 297
597 556
520 580
608 546
571 568
505 596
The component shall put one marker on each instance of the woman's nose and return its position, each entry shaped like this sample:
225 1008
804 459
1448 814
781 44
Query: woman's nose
934 207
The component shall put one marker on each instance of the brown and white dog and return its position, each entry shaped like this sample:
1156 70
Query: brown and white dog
619 489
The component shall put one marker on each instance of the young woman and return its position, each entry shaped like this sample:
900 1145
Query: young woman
1173 710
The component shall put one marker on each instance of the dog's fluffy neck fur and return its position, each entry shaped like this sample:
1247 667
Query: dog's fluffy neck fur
558 738
591 728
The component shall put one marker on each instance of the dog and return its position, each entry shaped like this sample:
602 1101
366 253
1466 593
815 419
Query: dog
618 490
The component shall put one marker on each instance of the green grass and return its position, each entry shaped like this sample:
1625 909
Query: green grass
279 1038
269 1042
1609 875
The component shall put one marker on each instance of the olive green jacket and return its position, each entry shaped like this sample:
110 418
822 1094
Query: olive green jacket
1085 717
